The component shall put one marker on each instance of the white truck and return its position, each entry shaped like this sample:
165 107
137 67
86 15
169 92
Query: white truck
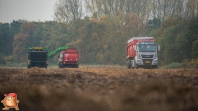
142 53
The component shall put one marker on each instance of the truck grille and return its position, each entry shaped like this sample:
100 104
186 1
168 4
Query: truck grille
147 56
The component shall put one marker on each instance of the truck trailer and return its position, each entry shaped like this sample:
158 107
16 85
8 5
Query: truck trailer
69 58
38 56
142 53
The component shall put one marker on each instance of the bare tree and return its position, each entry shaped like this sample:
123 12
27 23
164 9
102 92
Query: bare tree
190 9
71 10
68 11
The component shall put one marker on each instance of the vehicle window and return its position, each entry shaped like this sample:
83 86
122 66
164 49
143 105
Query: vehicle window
147 48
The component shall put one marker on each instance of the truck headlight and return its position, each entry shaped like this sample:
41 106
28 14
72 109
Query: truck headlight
155 61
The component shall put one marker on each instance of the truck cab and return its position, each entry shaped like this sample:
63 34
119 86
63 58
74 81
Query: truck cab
146 55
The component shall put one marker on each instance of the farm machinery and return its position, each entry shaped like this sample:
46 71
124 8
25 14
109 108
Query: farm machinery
38 56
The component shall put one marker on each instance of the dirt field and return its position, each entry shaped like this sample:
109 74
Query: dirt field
101 89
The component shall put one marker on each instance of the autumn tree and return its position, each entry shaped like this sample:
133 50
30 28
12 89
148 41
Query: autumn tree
23 40
7 32
54 35
191 33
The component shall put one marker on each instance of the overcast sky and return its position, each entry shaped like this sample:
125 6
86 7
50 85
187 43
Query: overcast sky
31 10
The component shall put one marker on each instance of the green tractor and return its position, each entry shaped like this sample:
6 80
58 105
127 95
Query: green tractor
38 56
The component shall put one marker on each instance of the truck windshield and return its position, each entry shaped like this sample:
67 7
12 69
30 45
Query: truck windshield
147 48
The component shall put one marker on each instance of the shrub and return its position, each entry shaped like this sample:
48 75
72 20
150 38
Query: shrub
174 65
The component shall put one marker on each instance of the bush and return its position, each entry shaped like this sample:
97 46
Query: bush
174 65
194 63
14 65
1 59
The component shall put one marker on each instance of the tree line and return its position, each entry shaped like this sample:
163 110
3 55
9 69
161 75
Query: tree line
99 30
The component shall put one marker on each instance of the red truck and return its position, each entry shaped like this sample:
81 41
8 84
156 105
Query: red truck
69 58
142 52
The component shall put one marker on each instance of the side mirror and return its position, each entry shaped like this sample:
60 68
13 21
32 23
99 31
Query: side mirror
158 47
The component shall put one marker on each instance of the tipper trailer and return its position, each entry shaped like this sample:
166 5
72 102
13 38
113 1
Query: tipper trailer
142 53
69 58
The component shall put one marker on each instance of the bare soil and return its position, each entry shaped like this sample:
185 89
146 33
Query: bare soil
101 89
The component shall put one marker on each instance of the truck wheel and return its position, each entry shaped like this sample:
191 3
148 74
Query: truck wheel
135 65
129 64
61 65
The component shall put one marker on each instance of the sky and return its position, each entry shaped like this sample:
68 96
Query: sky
30 10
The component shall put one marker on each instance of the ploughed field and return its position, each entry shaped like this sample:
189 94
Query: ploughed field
101 89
